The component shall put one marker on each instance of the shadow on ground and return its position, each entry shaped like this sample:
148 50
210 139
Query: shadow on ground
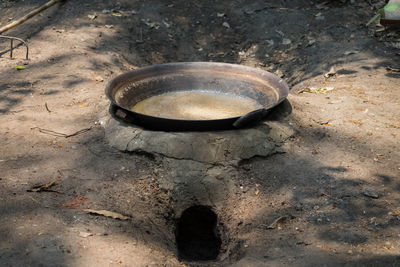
324 204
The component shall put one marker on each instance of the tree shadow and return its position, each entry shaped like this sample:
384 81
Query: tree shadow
319 195
12 93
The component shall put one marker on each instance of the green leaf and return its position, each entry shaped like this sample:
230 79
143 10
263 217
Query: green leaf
391 7
20 67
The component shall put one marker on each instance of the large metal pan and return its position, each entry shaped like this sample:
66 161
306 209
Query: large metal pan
127 89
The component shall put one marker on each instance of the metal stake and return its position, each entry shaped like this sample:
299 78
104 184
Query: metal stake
12 44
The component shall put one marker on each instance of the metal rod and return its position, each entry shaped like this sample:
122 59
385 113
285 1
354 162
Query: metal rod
12 38
12 47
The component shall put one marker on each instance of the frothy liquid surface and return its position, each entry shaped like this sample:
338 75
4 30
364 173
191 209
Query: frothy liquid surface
195 105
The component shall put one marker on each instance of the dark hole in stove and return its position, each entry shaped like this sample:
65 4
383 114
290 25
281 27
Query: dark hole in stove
197 237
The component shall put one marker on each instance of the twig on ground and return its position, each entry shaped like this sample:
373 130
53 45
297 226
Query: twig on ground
47 108
44 187
12 112
53 133
29 15
392 69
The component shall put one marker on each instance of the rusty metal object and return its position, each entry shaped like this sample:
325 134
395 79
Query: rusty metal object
11 38
129 88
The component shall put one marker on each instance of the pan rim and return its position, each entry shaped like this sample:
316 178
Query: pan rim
187 66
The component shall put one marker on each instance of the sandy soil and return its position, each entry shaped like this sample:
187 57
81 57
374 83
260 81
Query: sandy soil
336 182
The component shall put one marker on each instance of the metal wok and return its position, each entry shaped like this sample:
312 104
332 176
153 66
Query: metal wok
127 89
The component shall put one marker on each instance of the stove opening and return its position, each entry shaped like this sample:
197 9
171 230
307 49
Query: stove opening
197 236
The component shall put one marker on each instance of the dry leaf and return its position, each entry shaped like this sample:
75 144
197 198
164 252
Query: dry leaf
371 102
392 69
85 234
322 5
356 122
98 78
152 25
166 24
392 125
396 212
314 90
44 187
277 222
92 16
311 42
330 73
107 213
351 52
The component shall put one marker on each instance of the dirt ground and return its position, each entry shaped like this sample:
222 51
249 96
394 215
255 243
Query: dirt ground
335 185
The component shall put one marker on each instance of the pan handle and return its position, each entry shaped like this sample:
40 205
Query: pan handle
250 117
122 114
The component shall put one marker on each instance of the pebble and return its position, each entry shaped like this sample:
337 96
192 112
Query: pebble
286 41
226 25
370 193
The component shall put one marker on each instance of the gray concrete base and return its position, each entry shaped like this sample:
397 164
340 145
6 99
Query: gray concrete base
219 147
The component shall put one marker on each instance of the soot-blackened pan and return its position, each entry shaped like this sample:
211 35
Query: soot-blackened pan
127 89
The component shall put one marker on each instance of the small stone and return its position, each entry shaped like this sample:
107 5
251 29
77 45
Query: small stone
226 25
370 193
311 42
270 42
286 41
